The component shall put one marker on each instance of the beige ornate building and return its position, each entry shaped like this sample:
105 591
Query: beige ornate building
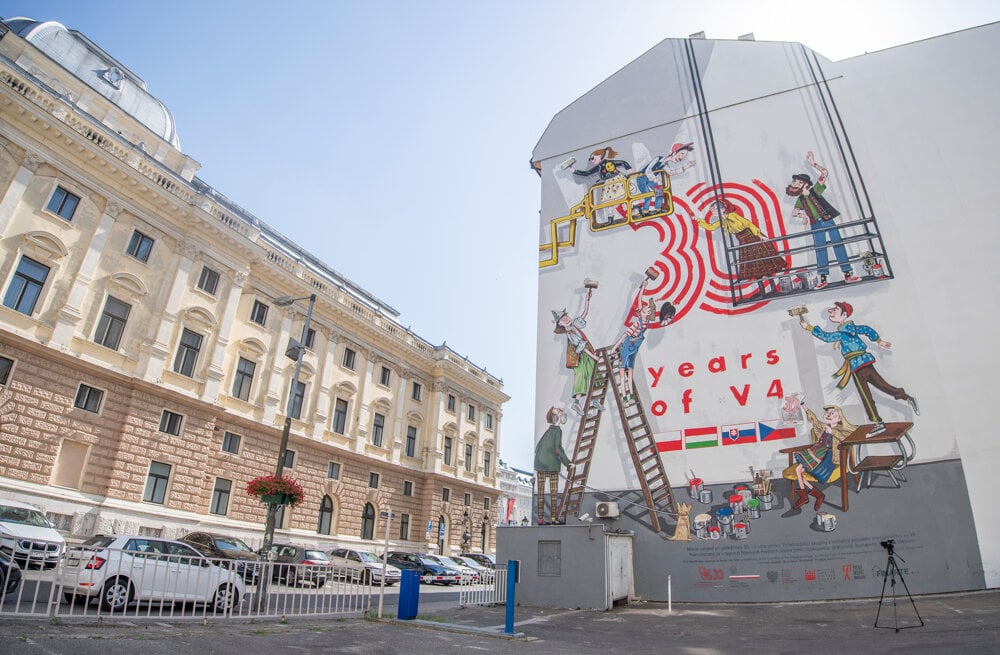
143 375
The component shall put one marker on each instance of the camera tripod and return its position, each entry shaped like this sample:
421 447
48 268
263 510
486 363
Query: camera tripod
891 571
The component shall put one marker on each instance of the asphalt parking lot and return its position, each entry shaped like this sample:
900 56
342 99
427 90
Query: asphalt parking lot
956 622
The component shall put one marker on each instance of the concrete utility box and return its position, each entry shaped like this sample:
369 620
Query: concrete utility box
569 565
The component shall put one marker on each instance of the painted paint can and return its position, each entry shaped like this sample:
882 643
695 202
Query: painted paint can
826 522
877 270
746 493
740 530
736 503
724 516
753 508
714 532
785 283
701 523
766 502
705 496
695 485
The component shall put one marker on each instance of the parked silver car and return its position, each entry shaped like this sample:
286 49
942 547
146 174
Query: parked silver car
486 575
469 575
119 570
360 566
27 537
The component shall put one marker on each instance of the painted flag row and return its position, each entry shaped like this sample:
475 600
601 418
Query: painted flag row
727 435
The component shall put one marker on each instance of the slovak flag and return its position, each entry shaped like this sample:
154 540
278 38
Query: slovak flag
701 437
668 441
774 430
739 433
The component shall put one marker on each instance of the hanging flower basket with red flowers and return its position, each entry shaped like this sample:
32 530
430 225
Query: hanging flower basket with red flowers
276 490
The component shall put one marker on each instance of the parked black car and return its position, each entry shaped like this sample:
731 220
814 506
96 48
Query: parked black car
295 564
221 548
10 575
430 571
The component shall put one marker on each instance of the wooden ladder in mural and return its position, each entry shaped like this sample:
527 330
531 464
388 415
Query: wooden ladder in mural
645 457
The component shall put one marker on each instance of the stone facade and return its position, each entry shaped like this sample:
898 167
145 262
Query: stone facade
139 338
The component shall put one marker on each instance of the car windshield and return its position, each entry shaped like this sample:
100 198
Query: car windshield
99 541
368 557
429 559
447 561
317 555
231 543
23 515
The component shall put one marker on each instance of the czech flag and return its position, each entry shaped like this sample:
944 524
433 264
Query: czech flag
739 433
774 430
701 437
668 441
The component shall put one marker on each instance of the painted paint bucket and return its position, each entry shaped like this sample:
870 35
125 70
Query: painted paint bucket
766 502
714 532
826 522
705 496
724 516
736 503
746 493
753 508
695 485
740 530
701 523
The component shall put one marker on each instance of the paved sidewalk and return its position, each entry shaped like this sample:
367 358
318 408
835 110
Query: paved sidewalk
956 622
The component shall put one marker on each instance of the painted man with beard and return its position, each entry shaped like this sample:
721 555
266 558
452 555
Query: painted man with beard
812 207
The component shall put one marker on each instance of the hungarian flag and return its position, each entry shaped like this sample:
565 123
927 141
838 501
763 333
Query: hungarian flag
701 437
774 430
739 433
668 441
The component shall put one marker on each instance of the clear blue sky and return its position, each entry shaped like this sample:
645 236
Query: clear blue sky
392 139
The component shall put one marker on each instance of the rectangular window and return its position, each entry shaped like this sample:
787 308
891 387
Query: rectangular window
486 504
340 416
297 399
310 338
243 379
156 483
468 457
378 425
112 324
472 413
445 494
447 451
404 527
187 353
258 314
411 441
63 203
384 376
139 246
333 470
407 488
373 480
451 403
489 421
231 443
349 358
26 286
88 398
6 366
171 422
467 499
488 464
220 496
289 459
417 390
208 281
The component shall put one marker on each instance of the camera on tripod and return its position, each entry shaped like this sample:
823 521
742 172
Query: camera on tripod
888 544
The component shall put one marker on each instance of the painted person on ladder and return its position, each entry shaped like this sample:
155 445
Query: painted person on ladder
640 317
549 460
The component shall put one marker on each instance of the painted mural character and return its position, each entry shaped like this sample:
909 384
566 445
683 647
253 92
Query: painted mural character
812 207
580 353
549 460
822 458
611 172
859 364
758 258
672 164
641 315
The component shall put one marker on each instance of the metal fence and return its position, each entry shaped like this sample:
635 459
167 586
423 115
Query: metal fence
492 592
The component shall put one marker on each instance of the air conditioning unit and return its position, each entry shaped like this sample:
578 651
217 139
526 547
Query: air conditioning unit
606 510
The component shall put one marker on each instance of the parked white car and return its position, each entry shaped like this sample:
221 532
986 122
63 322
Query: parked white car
119 570
363 567
27 537
469 575
486 575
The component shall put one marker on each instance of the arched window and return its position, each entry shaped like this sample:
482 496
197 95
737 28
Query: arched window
440 535
325 516
368 522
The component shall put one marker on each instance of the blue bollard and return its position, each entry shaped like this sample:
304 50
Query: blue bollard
512 579
409 596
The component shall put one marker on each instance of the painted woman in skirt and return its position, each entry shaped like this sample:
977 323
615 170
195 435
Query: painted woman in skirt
823 457
757 258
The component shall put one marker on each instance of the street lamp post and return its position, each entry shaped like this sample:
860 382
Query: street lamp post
294 351
387 516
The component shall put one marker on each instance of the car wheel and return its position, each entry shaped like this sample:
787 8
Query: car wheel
320 582
366 577
292 579
116 595
79 599
227 598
